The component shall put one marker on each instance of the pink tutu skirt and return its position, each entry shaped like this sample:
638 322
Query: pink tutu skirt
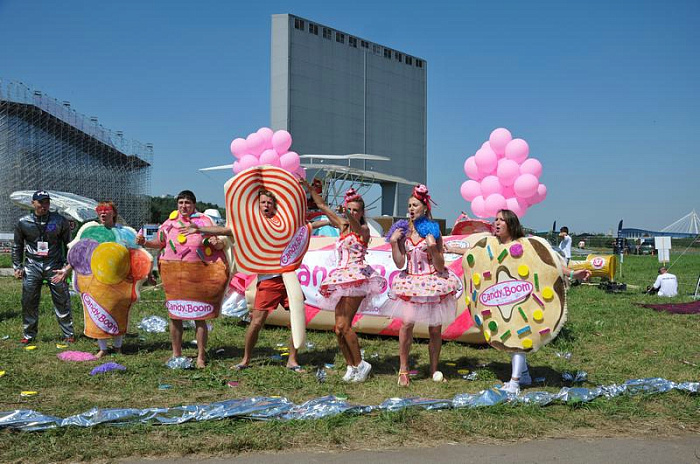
354 280
429 299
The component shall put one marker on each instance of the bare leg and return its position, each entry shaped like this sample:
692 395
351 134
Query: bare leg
257 322
176 337
347 339
202 336
434 346
405 341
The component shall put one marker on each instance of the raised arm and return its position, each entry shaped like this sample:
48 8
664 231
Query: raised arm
398 248
336 221
206 230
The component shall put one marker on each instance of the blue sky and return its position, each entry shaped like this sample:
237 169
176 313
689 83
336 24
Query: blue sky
606 93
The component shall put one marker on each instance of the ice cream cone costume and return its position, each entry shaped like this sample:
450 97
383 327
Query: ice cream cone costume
109 269
193 272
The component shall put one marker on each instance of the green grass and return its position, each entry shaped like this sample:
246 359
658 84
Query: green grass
5 260
609 337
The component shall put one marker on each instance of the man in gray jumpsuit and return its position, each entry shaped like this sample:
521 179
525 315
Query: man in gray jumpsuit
37 255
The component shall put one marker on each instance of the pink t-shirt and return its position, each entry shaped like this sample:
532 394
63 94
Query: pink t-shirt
180 247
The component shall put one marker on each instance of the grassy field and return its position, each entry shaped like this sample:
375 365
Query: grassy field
607 335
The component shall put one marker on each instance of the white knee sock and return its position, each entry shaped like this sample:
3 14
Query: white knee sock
519 364
117 343
102 343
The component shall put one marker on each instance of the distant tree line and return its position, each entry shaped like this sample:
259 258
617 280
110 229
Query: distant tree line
161 207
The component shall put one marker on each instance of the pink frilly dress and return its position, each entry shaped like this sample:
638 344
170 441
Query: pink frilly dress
420 294
352 276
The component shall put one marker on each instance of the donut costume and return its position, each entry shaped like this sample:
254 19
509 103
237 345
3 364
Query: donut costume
516 292
109 269
352 276
194 274
421 294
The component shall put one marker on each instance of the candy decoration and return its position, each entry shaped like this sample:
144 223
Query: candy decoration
267 246
173 215
486 313
488 249
99 233
523 270
207 251
487 274
516 250
505 335
544 331
511 296
476 278
527 343
110 263
172 246
524 330
470 259
181 238
80 255
487 336
522 313
547 293
477 319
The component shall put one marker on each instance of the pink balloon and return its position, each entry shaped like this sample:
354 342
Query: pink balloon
498 140
525 185
486 160
471 170
247 161
266 134
290 161
539 196
270 157
494 203
236 167
519 208
490 185
508 191
531 166
281 141
517 150
478 208
256 144
239 147
470 189
507 171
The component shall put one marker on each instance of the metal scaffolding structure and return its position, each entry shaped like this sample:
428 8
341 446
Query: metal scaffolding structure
45 144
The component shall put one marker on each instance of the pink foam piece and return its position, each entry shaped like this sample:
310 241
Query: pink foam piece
76 356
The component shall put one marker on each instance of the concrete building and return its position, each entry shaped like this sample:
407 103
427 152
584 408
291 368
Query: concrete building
339 94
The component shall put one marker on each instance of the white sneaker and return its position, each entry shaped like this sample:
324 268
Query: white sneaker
363 371
525 378
350 374
512 387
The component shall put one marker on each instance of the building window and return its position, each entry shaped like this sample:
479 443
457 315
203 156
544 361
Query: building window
326 33
409 60
364 44
376 49
352 41
313 29
299 24
340 37
398 56
419 63
387 53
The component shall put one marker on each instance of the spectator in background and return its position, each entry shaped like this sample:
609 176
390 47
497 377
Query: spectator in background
565 244
666 284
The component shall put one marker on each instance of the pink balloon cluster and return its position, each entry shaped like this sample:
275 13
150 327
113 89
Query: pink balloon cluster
501 176
266 147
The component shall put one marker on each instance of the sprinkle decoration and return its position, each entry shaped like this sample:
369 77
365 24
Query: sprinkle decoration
486 313
522 313
523 330
172 246
537 299
537 282
488 248
544 331
502 255
477 319
505 335
487 274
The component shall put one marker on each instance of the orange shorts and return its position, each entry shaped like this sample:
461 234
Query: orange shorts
271 293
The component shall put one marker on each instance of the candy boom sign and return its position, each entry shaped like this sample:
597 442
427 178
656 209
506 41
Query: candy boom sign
508 292
99 315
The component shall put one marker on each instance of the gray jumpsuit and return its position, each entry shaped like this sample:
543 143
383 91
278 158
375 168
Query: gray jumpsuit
29 231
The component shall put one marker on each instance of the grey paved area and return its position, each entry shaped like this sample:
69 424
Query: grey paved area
570 451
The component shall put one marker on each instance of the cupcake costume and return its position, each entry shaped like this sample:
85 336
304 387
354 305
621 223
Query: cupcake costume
194 273
352 276
421 294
